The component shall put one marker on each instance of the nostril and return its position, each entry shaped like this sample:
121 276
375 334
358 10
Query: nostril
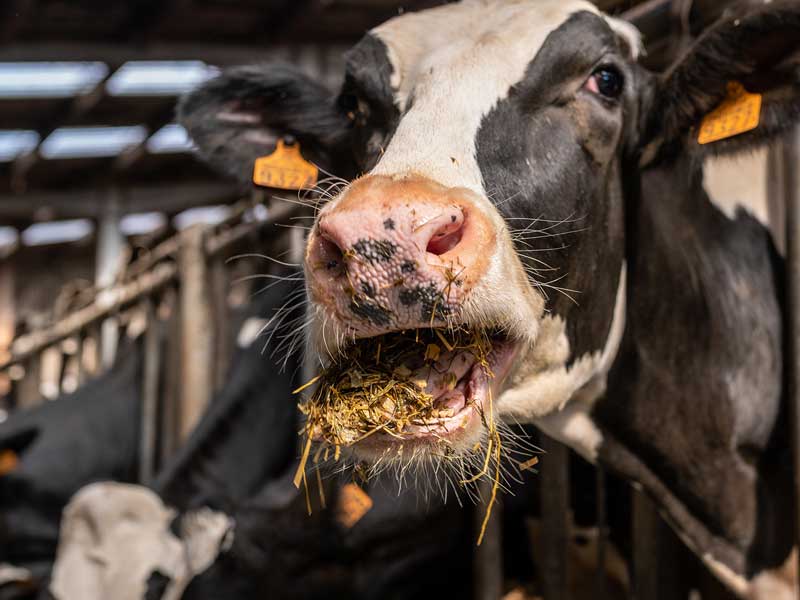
329 255
446 238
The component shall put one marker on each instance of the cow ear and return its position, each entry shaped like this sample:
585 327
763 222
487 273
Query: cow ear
755 44
240 115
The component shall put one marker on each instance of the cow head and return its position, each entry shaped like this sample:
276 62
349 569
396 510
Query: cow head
491 146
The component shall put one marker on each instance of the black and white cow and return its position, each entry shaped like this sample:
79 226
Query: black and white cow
515 169
89 435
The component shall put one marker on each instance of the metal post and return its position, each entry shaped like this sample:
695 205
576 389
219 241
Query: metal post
110 243
7 318
791 196
488 557
222 335
197 335
554 495
150 375
659 569
28 392
602 533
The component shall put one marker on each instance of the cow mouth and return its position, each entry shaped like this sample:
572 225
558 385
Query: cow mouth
422 385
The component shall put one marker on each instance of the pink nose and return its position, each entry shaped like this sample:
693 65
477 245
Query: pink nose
397 254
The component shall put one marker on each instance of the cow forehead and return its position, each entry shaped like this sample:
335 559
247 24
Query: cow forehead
450 66
518 28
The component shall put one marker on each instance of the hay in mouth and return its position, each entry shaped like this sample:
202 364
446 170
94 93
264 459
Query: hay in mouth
400 384
406 385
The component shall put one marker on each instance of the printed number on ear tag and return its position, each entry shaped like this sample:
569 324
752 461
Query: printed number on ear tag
285 168
739 112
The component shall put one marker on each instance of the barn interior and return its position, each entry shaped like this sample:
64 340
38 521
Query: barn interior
128 264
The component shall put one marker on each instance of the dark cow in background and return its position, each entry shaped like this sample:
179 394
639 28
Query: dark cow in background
519 145
223 518
90 435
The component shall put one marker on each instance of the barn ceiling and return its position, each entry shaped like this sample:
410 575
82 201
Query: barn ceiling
95 120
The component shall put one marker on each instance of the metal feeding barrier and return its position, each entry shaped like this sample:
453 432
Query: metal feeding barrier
180 289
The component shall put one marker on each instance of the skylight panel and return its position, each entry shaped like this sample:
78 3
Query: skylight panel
158 78
89 142
170 138
14 142
208 215
142 223
8 237
57 232
49 79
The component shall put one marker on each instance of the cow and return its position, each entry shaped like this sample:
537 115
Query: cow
509 166
59 447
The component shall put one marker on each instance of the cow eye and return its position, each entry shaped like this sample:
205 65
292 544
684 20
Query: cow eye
605 81
350 105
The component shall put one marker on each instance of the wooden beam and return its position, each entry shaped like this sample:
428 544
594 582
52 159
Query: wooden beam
197 337
20 209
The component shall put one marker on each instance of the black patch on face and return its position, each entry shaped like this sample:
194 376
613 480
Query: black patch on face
408 266
369 311
389 224
368 86
375 251
430 298
547 154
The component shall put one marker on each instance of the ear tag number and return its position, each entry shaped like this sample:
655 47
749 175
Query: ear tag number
739 112
285 169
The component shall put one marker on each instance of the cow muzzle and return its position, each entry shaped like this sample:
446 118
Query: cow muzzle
406 256
392 254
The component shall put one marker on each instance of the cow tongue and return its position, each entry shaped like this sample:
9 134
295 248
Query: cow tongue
445 379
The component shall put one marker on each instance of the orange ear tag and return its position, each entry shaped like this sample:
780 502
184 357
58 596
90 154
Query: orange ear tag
285 168
354 503
8 461
739 112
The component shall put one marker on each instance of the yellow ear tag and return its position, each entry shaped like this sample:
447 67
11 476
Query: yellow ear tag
285 168
354 503
739 112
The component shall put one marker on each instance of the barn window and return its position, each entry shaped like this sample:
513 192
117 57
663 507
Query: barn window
57 232
14 142
75 142
149 77
170 138
49 79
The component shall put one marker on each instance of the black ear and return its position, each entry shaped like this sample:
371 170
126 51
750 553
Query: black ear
755 43
239 115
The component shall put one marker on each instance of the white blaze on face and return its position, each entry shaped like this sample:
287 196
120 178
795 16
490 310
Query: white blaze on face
453 64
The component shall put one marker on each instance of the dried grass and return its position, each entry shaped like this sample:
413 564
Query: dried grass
369 391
